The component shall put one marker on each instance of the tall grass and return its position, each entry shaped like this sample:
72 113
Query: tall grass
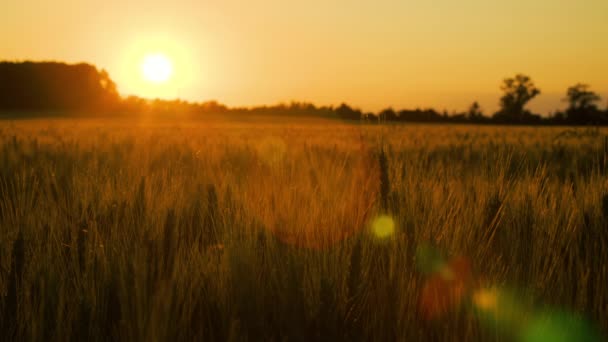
124 230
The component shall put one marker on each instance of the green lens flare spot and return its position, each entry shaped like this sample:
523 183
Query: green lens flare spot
558 327
429 260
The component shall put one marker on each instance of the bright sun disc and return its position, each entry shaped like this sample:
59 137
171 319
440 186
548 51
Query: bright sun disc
157 68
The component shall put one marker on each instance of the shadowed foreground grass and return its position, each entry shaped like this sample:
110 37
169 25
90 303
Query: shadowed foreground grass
137 231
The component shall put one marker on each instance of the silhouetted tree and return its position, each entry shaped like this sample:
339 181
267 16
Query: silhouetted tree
458 117
418 115
212 107
56 87
580 97
582 106
134 104
474 113
557 117
348 113
518 91
370 117
387 114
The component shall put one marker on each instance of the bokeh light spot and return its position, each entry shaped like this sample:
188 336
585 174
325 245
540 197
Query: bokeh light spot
486 299
559 327
501 310
383 226
446 273
446 288
429 260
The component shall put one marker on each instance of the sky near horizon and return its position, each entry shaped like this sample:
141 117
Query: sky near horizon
371 54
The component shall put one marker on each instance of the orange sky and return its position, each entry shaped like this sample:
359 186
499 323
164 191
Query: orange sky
371 54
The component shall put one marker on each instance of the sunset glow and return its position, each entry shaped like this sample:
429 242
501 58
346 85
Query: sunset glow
405 54
158 65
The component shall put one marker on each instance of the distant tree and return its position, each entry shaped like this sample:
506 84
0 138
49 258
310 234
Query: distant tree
458 117
388 114
348 113
370 117
582 108
580 97
420 115
134 104
518 91
558 117
212 107
106 83
474 113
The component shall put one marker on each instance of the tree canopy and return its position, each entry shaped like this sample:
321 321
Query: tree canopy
518 91
56 87
582 105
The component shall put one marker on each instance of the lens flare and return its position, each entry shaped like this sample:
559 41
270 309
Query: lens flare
508 313
271 151
558 327
500 310
446 289
383 226
486 299
428 259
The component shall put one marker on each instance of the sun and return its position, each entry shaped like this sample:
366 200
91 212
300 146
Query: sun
156 68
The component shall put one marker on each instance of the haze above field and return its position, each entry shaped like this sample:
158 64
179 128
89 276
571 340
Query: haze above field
441 54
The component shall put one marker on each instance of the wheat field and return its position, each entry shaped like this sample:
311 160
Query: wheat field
156 230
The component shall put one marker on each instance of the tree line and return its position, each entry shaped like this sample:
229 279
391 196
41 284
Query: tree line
52 86
517 92
82 88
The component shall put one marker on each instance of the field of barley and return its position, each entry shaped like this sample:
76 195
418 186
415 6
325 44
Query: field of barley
135 230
